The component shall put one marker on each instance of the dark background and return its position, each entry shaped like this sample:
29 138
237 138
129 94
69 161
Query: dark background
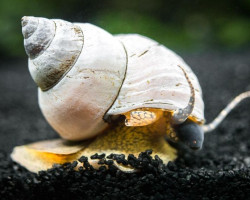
213 37
181 25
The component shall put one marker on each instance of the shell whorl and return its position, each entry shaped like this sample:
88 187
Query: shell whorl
53 46
37 34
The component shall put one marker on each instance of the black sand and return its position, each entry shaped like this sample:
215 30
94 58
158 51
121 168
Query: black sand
221 170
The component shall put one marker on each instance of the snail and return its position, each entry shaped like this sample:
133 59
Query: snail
102 93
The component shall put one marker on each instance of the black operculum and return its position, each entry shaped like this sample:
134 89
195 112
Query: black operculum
191 134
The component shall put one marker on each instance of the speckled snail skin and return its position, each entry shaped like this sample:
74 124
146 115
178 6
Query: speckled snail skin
88 79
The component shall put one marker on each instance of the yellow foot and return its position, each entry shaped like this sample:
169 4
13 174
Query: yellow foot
118 139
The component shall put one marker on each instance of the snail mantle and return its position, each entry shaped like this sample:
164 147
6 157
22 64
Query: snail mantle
120 94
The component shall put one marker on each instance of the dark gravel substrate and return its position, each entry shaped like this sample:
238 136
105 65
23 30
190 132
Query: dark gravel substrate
221 170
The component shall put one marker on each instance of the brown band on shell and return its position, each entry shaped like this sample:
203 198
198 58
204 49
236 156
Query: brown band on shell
56 74
180 115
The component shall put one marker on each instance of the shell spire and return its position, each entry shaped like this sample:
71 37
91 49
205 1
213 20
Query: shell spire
38 34
53 46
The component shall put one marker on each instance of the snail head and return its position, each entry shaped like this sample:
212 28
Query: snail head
190 133
187 132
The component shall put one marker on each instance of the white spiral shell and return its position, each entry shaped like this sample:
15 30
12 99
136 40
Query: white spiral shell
85 73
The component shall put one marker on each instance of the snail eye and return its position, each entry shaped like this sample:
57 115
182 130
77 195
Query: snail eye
190 134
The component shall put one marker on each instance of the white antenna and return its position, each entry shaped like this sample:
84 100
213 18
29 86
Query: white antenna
211 126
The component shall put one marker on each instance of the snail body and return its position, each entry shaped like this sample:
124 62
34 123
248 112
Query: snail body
87 79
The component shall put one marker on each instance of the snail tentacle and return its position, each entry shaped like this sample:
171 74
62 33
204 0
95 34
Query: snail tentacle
180 115
214 124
